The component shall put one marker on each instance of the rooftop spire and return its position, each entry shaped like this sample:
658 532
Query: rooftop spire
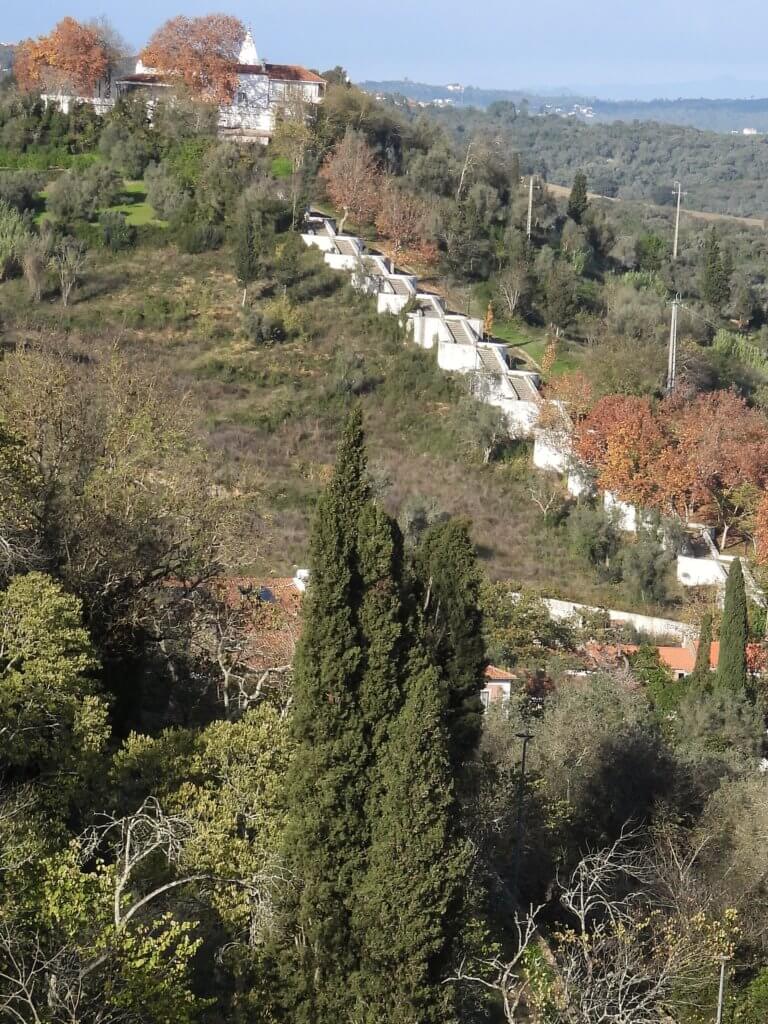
248 52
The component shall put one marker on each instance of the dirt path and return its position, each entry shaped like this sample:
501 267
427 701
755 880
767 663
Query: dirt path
751 222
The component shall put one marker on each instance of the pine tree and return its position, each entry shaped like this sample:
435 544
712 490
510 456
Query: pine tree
449 593
715 276
732 665
325 841
578 201
701 677
412 895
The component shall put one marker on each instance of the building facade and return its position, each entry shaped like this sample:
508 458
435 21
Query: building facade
263 90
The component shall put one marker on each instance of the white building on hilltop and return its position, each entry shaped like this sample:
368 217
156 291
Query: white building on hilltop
262 90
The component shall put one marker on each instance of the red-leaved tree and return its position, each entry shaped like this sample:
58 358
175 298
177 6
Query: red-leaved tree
402 217
200 52
353 179
623 440
72 60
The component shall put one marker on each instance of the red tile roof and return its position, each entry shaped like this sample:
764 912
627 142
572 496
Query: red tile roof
275 72
281 72
501 675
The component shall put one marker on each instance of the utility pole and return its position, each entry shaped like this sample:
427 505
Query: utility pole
672 357
529 227
679 193
721 992
526 737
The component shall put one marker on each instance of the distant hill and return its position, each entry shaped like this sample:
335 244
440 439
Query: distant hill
720 115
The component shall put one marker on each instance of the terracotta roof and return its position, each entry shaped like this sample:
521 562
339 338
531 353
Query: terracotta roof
281 72
501 675
276 72
274 622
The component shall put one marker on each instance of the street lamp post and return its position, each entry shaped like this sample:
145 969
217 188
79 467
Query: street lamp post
526 737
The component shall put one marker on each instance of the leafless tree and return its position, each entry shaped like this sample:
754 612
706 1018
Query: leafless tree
505 978
68 260
545 494
512 285
624 956
38 985
134 840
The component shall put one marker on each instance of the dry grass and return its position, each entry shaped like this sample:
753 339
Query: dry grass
270 415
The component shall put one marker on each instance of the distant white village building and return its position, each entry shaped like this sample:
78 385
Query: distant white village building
263 89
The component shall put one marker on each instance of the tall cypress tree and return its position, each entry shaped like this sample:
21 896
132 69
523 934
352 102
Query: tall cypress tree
325 842
372 835
578 202
448 589
734 630
715 276
701 677
411 898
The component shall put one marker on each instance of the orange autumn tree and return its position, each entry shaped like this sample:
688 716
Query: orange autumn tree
200 52
575 393
622 439
73 59
723 446
402 217
353 179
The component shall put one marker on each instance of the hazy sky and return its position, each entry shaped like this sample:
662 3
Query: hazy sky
588 44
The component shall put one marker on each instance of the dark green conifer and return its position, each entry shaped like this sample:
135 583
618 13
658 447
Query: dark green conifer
715 276
326 830
578 202
449 592
701 677
411 899
734 630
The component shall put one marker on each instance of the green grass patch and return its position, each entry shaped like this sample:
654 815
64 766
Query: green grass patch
533 343
137 209
281 167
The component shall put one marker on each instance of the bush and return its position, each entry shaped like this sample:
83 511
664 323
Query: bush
117 233
198 236
165 194
592 536
19 189
277 321
79 196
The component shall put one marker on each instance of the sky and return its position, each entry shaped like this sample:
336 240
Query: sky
611 48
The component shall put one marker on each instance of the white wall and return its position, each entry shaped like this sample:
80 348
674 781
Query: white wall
338 262
700 572
626 514
522 417
550 452
457 358
322 242
426 331
386 302
647 624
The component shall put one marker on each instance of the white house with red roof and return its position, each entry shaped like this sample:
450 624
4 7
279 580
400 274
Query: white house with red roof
263 89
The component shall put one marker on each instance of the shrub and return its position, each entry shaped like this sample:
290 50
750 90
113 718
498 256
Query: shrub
198 236
165 194
13 237
20 189
79 196
117 234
